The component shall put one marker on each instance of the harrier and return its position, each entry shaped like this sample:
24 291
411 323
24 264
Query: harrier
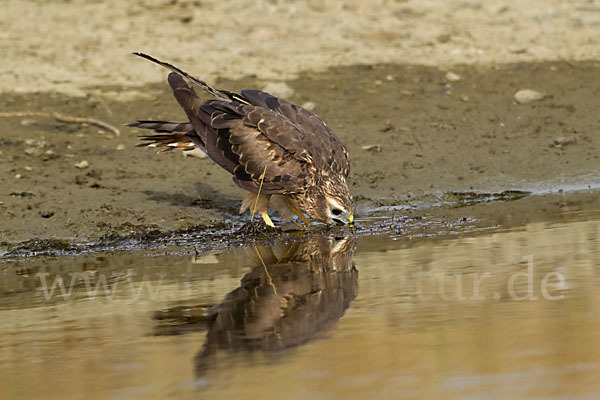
281 154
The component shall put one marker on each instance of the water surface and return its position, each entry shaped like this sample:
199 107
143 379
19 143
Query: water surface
499 313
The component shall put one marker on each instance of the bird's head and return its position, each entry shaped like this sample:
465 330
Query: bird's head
334 203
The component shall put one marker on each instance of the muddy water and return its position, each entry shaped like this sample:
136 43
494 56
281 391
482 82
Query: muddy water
509 312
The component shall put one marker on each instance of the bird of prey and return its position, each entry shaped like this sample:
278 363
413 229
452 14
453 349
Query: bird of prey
292 294
280 154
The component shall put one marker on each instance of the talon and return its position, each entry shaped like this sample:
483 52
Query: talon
267 219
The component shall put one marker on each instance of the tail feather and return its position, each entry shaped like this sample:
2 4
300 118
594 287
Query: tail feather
221 95
167 142
173 135
163 126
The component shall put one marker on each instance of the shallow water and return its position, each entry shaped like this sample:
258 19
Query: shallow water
498 313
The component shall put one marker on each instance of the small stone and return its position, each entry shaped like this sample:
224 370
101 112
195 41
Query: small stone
528 95
33 151
82 165
127 95
309 105
22 194
589 7
517 50
47 214
18 176
121 147
501 9
452 77
28 168
24 90
588 20
378 82
28 122
373 147
389 78
475 5
279 89
443 38
562 142
548 14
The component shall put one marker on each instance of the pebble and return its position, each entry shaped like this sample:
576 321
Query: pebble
589 7
28 122
517 49
452 76
562 141
279 89
121 147
47 214
548 14
82 165
588 20
527 96
33 151
373 147
501 9
309 105
128 95
18 176
24 90
443 38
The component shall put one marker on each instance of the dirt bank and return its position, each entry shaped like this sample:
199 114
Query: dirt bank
415 137
421 92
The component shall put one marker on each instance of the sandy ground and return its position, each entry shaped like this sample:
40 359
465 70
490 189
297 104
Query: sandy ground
67 46
378 74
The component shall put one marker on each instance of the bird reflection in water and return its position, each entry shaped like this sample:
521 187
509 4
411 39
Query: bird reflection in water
292 294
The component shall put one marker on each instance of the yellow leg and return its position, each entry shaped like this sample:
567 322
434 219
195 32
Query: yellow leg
267 219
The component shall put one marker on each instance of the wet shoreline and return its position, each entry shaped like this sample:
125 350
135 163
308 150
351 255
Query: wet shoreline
415 139
467 213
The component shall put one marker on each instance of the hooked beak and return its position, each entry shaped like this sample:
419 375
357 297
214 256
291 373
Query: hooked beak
349 221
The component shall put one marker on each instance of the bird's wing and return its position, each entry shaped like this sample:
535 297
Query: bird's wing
252 143
258 141
314 140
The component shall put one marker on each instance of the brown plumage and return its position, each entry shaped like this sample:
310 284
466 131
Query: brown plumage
291 295
270 146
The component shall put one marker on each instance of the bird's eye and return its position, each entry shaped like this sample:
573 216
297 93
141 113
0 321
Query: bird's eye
336 211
